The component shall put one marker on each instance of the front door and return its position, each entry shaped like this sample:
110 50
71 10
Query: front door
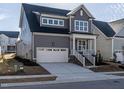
82 45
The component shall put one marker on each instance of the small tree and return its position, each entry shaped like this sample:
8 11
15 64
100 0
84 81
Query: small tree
99 58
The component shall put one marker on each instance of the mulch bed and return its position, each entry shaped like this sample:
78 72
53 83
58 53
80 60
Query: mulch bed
30 68
26 62
108 68
7 68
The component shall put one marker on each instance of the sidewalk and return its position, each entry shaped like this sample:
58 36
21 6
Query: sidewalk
86 77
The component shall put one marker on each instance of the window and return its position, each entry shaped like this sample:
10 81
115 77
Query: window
45 21
61 22
51 21
55 22
81 26
82 45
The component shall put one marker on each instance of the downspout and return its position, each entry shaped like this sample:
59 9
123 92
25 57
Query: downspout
70 32
112 47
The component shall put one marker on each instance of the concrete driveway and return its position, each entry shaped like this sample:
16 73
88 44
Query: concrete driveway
66 70
73 72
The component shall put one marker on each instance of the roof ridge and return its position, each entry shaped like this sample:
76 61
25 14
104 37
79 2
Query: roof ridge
45 7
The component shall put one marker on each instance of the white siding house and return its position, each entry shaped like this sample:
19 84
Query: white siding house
8 41
24 42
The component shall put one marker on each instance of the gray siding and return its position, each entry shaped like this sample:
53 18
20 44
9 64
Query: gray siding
50 41
77 16
118 44
66 23
103 44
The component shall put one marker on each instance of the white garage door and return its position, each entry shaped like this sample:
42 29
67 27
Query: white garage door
52 54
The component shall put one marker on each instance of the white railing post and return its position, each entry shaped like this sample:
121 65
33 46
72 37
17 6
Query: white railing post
84 61
94 61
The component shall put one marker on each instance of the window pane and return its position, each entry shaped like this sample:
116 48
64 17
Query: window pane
85 24
79 42
61 22
85 29
77 27
81 28
45 21
83 42
77 23
50 21
56 22
79 47
81 23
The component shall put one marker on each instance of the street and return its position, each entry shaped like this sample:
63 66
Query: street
103 84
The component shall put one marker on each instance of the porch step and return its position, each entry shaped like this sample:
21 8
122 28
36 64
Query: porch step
74 60
88 63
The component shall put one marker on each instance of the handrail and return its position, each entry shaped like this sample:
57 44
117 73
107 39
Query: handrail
87 54
78 56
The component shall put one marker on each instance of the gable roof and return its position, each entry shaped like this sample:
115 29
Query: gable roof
32 18
104 27
12 34
79 7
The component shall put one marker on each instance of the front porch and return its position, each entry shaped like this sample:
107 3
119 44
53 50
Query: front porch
83 47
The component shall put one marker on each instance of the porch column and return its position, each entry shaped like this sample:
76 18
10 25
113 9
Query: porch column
91 44
95 45
73 44
94 60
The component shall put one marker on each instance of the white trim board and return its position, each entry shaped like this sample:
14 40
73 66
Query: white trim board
84 36
79 7
50 34
54 16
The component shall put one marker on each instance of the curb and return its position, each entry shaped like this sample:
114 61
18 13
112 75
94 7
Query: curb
24 76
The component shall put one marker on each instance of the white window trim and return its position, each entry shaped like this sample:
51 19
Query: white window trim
79 25
53 21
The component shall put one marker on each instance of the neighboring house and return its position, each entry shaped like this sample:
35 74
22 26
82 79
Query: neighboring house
8 41
52 35
110 37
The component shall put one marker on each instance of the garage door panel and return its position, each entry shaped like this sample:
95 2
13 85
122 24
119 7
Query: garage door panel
52 55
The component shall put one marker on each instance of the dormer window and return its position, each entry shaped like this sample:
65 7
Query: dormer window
51 21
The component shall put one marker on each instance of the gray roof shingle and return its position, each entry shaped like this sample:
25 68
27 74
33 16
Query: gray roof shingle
104 27
12 34
34 24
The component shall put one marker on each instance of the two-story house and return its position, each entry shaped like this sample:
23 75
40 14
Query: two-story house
52 35
8 41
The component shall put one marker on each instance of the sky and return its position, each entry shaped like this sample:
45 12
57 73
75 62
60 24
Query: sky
10 12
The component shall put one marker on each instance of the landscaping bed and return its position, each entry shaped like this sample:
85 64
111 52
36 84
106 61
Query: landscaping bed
110 67
12 67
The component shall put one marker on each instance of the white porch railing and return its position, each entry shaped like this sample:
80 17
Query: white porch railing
87 53
78 56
